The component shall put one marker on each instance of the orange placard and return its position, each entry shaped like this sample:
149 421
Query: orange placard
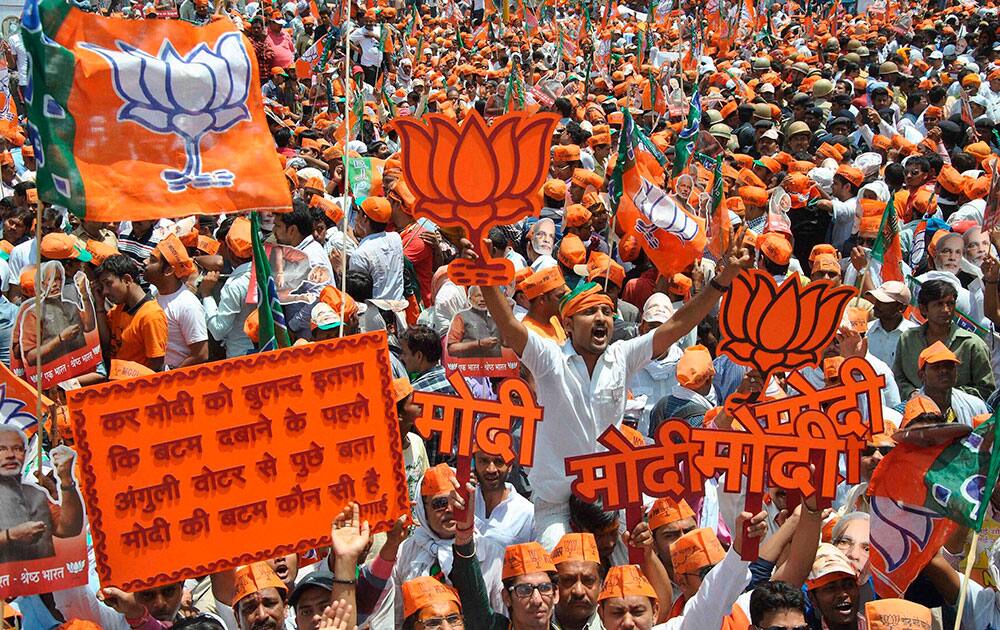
781 440
784 327
475 176
201 469
483 425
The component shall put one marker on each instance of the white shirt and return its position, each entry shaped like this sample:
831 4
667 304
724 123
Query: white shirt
844 215
381 256
882 343
578 406
368 41
185 324
510 523
714 600
21 256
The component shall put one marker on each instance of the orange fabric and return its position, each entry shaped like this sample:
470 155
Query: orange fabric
253 578
174 252
525 559
666 511
695 550
935 353
541 282
897 614
333 296
574 546
753 195
551 329
238 240
572 251
916 406
851 174
583 300
101 251
331 209
423 591
695 367
576 215
776 247
626 581
437 480
401 388
566 153
554 189
139 337
377 209
826 262
822 248
121 370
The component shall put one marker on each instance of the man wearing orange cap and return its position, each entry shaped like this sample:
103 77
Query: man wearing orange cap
579 567
581 384
775 254
668 521
576 221
259 598
628 600
936 300
427 603
379 253
693 395
226 312
167 267
833 589
847 181
553 199
544 289
937 368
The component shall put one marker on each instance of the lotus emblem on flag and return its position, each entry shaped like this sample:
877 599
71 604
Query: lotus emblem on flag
202 92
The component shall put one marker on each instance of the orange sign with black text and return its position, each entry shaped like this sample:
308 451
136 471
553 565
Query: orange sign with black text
201 469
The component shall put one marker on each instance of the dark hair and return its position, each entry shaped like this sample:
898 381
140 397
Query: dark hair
914 99
359 285
936 93
935 162
774 596
590 516
563 106
282 137
934 290
963 161
498 238
21 187
577 133
425 340
300 217
921 162
894 176
199 622
119 266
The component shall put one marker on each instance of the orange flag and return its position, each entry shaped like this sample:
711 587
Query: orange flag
143 120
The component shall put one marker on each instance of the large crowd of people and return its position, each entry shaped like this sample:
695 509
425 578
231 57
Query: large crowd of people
825 115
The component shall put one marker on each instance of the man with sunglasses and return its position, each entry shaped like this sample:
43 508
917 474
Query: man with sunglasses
777 606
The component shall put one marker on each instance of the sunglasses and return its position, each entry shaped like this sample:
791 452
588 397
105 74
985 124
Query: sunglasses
439 503
455 621
871 450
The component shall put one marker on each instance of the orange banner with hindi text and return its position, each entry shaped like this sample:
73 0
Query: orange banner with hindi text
200 469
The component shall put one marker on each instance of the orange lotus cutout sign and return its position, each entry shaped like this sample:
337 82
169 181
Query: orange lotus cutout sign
784 327
474 176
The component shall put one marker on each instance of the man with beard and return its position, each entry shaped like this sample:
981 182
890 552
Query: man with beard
581 384
833 589
579 582
502 515
120 610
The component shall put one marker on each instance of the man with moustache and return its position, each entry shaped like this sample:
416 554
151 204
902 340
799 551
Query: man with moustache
578 565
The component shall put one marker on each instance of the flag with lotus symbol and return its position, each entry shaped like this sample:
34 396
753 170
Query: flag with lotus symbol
145 120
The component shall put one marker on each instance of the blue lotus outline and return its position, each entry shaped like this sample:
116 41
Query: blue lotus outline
167 94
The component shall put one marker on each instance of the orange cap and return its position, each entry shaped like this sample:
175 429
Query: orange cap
572 546
253 578
625 581
822 248
831 367
583 178
27 281
62 246
334 296
566 153
695 550
858 318
600 265
377 209
554 189
401 388
666 511
174 252
851 174
571 251
826 262
753 195
576 215
437 480
525 559
251 326
423 591
916 406
629 248
330 208
238 240
935 353
695 367
897 614
776 247
101 251
541 282
207 245
121 370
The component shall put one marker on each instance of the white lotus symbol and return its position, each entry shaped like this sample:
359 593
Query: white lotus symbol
202 92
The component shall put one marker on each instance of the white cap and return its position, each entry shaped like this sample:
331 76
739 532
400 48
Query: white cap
936 54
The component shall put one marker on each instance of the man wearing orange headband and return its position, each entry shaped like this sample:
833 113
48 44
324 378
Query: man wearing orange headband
581 384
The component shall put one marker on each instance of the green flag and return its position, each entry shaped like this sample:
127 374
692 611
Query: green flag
686 138
273 333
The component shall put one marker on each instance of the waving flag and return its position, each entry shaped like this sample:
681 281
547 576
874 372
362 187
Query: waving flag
272 330
953 480
720 229
144 120
887 248
686 138
19 402
671 236
904 538
918 247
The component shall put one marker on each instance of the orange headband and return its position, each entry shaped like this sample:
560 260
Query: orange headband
586 295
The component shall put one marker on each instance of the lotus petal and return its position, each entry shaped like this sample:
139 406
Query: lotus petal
444 148
532 141
474 152
417 144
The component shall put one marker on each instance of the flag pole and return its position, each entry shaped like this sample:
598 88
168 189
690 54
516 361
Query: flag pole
38 332
970 560
347 180
607 273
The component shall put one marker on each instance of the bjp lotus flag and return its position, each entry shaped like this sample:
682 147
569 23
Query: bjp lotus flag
9 126
143 120
672 237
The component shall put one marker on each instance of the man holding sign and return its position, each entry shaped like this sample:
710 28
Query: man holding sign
581 384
